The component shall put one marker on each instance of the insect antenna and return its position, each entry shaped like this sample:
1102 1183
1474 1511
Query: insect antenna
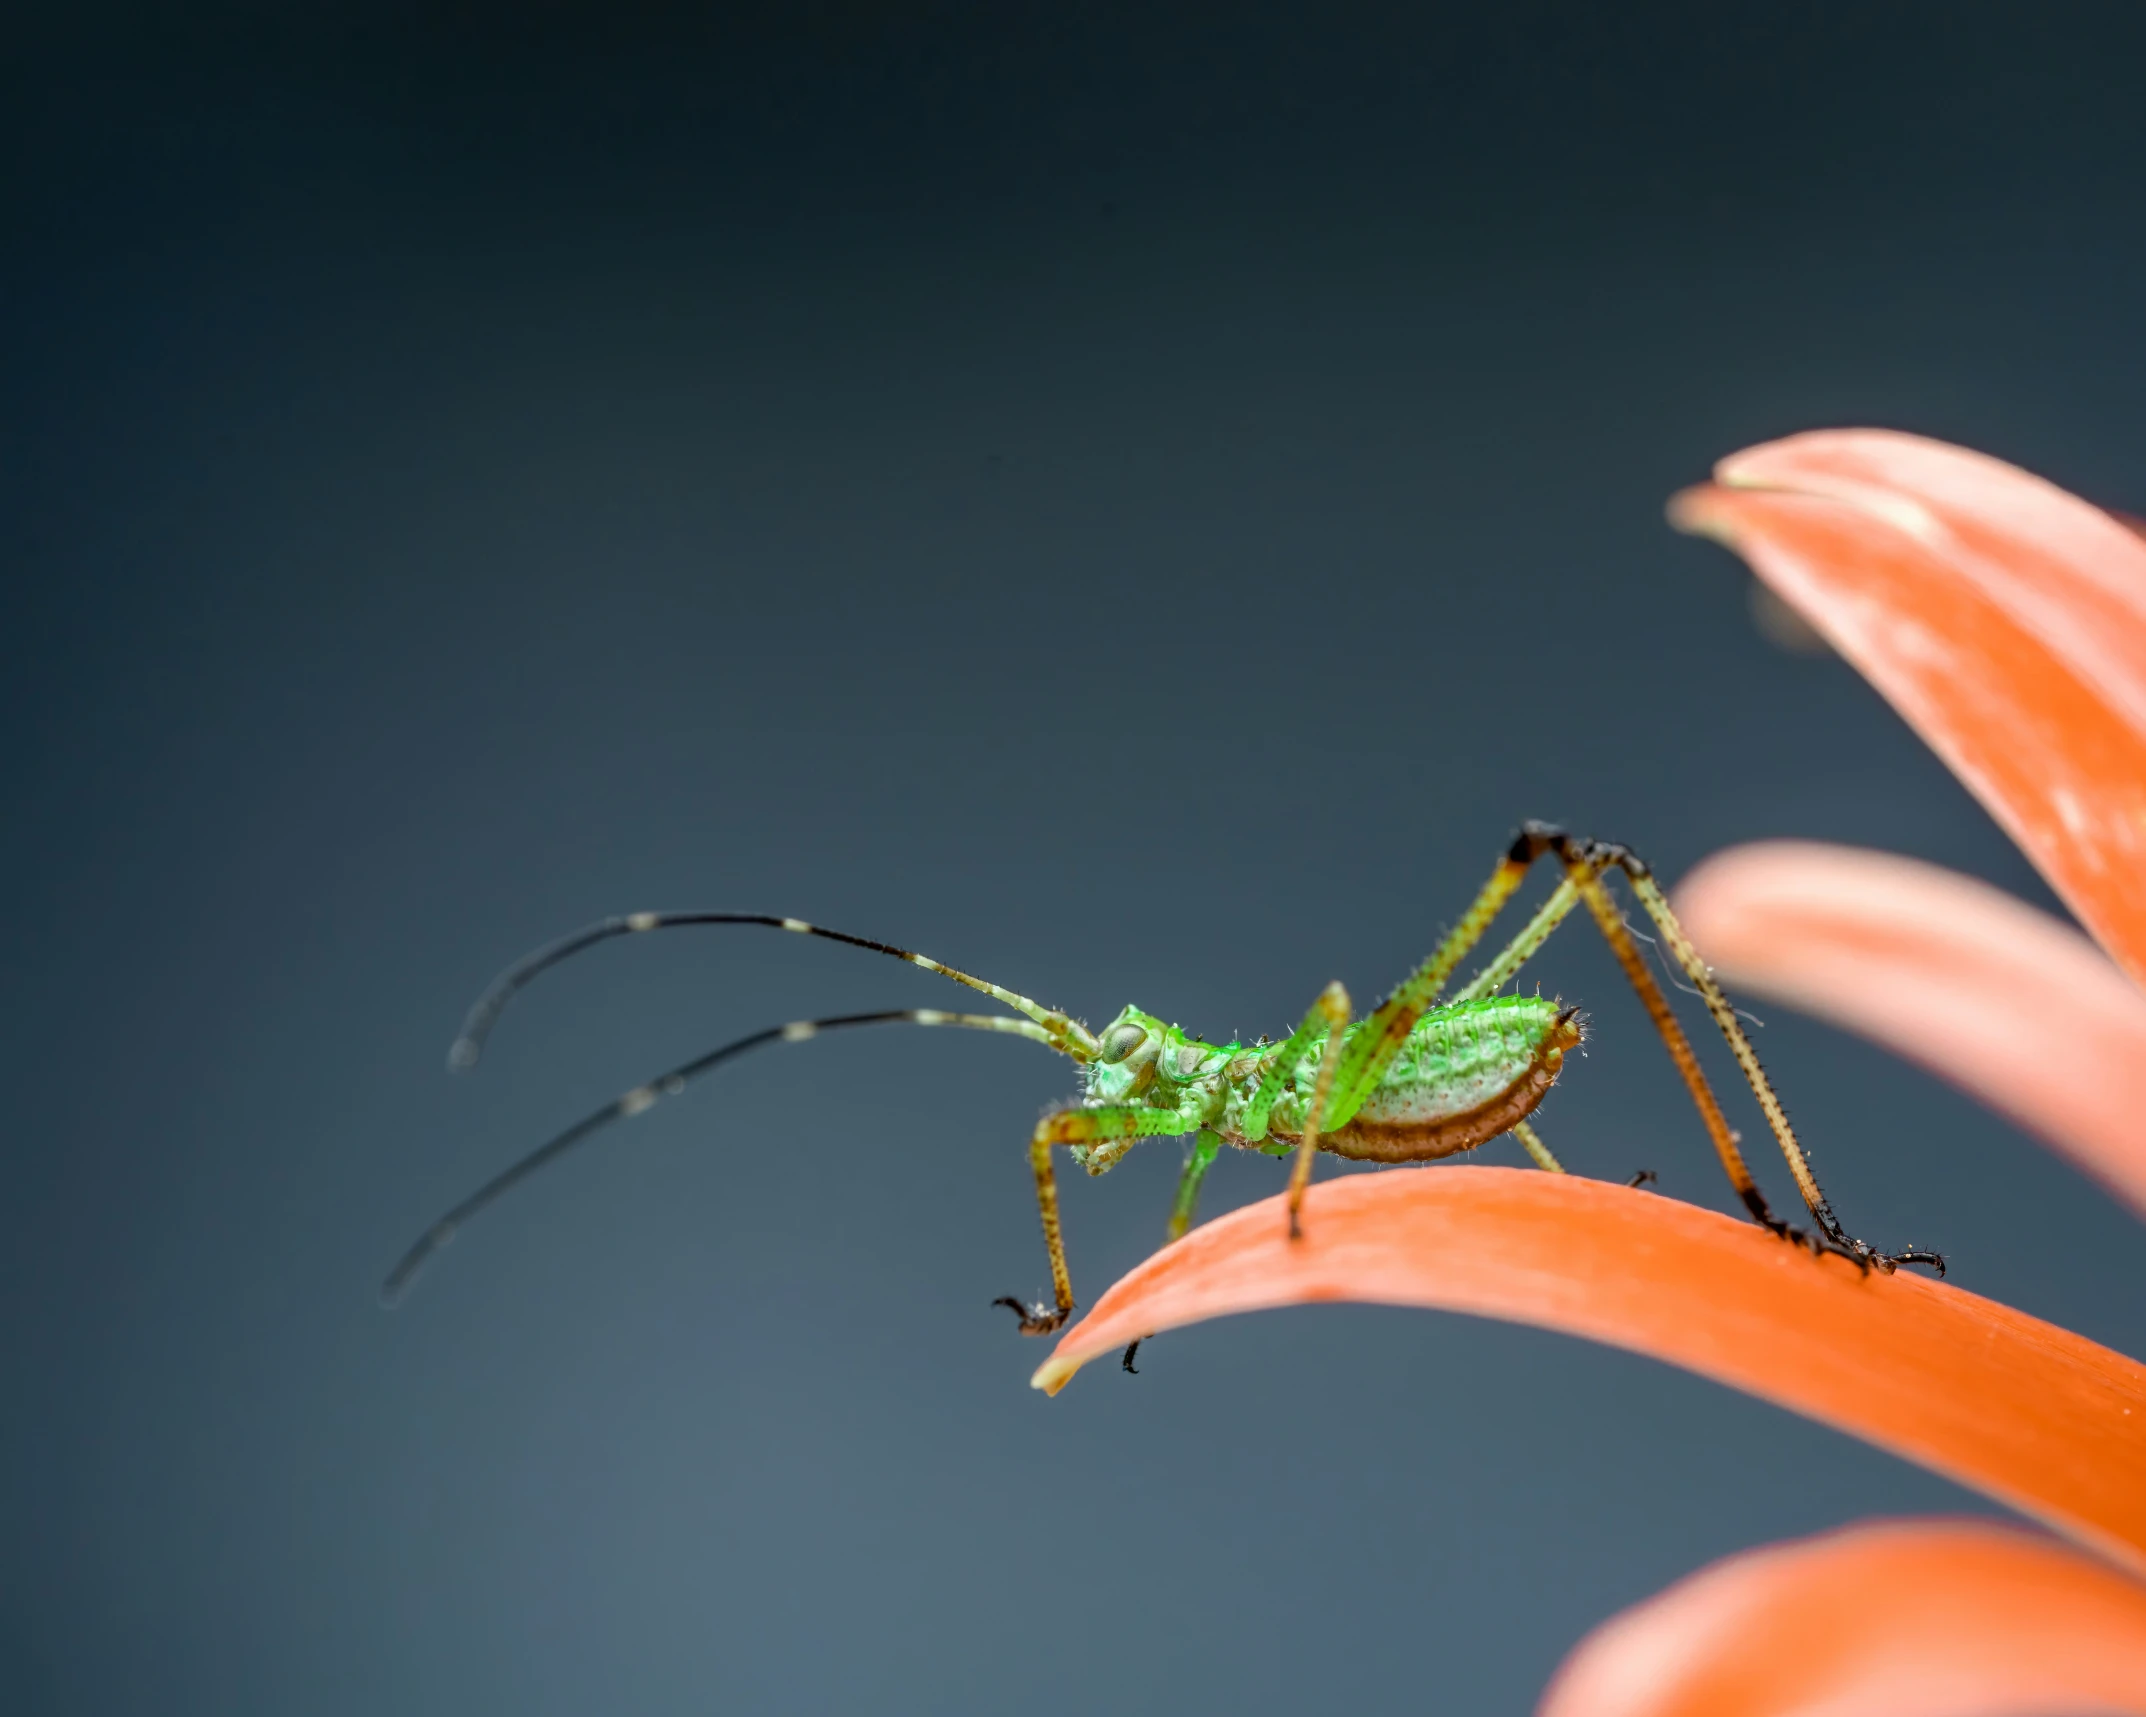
644 1097
1065 1034
1680 982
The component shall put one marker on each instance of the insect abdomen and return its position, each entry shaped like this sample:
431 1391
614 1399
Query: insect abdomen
1466 1074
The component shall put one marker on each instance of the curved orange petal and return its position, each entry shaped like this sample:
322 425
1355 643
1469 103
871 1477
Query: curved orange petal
2006 1001
2004 618
2022 1410
1941 1618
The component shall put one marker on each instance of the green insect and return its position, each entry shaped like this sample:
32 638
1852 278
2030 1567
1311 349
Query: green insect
1415 1080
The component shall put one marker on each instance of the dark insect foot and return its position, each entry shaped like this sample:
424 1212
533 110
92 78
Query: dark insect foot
1645 1177
1868 1258
1042 1318
1126 1360
1830 1239
1822 1244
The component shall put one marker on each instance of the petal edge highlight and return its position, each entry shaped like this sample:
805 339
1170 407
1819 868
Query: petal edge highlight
2002 617
1943 1618
1982 989
2026 1412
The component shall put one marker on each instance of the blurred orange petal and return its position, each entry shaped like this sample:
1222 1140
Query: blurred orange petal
1981 988
2004 618
2021 1410
1944 1619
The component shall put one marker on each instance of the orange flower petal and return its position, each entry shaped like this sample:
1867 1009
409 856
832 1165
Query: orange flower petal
2004 618
1944 1619
1981 988
2022 1410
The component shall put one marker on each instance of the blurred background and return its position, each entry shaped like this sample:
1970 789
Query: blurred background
1133 500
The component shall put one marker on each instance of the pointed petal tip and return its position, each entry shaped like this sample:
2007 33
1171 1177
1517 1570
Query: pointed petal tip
1691 511
2004 618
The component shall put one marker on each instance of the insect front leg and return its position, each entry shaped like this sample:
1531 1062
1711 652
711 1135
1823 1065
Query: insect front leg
1109 1123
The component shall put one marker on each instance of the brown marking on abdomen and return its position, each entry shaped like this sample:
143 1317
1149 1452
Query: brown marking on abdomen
1426 1141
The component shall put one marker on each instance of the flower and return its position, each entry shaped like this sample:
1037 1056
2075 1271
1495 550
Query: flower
2006 620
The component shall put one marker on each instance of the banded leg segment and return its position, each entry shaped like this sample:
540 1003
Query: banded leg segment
1585 863
1365 1061
1107 1123
1522 948
1650 896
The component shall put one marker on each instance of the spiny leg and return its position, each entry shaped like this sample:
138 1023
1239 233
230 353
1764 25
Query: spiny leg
1316 1028
1702 978
1522 948
1333 1007
1377 1047
1115 1122
1388 1029
1531 1142
1364 1062
1584 863
1516 953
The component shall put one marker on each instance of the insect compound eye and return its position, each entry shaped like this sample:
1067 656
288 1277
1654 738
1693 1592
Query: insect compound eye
1121 1040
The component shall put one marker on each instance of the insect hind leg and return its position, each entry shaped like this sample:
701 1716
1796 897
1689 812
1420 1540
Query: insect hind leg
1585 863
1531 1142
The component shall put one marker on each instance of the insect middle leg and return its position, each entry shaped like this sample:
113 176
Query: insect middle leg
1115 1125
1321 1030
1333 1006
1198 1161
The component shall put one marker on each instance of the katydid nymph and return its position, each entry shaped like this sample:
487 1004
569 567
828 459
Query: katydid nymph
1423 1076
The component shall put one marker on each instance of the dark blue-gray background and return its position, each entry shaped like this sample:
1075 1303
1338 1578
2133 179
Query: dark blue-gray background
1134 503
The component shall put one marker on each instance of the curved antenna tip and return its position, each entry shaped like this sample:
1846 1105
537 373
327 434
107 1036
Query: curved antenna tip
413 1263
462 1054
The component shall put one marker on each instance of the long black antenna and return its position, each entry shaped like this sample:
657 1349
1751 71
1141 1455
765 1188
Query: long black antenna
644 1097
1066 1034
